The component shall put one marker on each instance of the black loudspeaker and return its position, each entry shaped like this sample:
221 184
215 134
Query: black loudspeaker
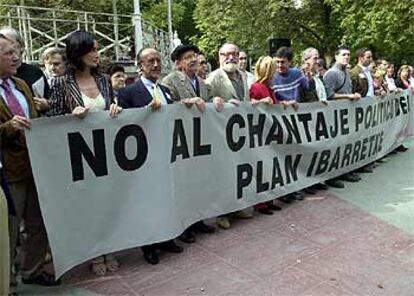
276 43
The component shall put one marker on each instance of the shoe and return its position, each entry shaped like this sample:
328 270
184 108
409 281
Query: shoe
365 170
401 148
297 195
98 266
202 227
286 199
243 214
42 279
382 160
355 175
350 177
187 236
320 186
309 190
265 211
150 255
111 263
272 206
170 246
335 183
223 222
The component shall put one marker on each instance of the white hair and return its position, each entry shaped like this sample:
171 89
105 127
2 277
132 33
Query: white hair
9 31
307 53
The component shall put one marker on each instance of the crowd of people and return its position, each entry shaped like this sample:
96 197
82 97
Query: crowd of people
74 83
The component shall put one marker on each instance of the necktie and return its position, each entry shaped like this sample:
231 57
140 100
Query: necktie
157 95
12 101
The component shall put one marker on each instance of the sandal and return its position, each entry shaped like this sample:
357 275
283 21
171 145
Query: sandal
111 263
98 266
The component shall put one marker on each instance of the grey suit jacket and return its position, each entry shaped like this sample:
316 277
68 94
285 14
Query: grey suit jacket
219 85
181 87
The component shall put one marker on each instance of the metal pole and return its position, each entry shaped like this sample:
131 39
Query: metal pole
55 34
170 30
138 27
116 31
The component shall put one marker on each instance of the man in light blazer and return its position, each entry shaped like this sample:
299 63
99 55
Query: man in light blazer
228 83
186 86
183 82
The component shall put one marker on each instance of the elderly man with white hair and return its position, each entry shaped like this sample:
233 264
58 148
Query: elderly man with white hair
310 58
31 74
228 84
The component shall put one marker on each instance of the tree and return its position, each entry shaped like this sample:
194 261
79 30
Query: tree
386 26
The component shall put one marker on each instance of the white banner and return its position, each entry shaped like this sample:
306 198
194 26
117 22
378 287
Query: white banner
111 184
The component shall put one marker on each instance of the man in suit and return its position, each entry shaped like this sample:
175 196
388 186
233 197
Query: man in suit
363 83
16 109
147 91
187 87
183 82
31 74
362 80
228 84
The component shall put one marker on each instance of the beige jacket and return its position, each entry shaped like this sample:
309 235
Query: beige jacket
219 85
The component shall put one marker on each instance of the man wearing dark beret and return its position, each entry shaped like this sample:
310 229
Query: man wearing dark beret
183 82
187 87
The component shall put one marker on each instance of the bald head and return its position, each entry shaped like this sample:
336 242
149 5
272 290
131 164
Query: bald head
149 62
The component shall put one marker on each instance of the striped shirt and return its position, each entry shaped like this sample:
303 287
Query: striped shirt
289 86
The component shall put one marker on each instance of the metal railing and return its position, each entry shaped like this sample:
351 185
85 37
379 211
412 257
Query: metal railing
46 27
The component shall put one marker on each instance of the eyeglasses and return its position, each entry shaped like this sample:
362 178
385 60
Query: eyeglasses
227 54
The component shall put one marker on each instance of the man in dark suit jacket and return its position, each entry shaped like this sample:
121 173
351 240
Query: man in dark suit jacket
146 91
362 80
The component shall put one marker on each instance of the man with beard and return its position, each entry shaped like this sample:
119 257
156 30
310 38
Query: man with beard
228 84
362 81
339 87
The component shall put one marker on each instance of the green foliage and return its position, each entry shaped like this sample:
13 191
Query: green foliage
386 26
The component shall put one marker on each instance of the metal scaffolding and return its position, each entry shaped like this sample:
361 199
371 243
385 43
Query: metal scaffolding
45 27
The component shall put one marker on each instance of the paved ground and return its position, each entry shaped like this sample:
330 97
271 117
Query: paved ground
353 241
